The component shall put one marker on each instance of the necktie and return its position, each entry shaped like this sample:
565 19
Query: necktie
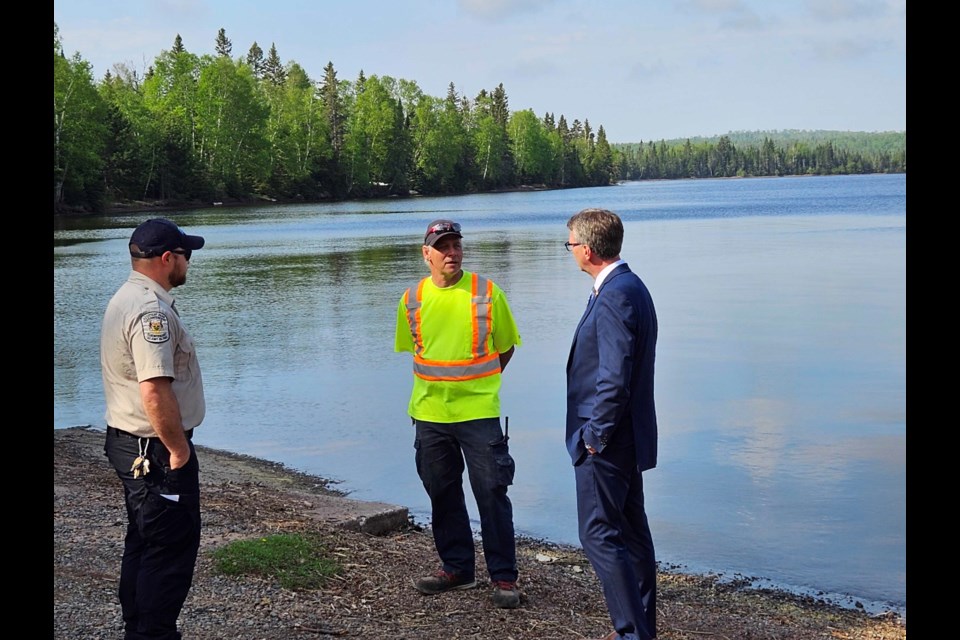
593 294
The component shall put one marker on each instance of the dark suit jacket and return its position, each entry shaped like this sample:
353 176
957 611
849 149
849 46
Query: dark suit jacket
610 372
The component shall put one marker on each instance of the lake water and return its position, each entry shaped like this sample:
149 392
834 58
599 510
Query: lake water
781 362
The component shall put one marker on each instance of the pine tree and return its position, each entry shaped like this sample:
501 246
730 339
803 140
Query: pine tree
602 171
501 109
223 47
255 60
273 71
333 107
481 103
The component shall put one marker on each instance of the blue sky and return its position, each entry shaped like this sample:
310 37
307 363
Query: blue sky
643 69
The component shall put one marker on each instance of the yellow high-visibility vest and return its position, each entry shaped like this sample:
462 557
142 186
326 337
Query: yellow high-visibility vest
483 361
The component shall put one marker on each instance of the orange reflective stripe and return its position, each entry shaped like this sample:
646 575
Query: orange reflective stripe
482 314
456 370
413 315
474 319
481 363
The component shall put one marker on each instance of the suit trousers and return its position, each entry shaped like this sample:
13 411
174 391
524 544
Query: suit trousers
162 538
616 538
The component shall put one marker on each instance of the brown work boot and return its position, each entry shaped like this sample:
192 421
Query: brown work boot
442 581
505 594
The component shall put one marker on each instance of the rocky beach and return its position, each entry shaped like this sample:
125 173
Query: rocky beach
380 551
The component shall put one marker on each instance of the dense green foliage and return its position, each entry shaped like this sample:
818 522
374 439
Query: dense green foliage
888 141
207 128
777 153
296 561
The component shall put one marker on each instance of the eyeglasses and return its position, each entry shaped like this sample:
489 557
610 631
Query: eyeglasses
444 227
186 253
570 245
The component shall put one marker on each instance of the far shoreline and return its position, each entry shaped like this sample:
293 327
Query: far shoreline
141 206
161 205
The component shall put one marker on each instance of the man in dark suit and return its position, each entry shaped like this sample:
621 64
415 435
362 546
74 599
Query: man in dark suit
612 423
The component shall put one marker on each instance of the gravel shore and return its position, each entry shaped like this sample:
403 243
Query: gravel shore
373 597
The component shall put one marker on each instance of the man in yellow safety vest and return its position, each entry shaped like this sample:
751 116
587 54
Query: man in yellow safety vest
462 334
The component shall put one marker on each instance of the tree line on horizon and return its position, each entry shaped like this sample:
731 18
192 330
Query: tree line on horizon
207 128
788 153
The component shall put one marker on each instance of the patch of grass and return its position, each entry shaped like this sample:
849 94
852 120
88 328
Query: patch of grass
297 561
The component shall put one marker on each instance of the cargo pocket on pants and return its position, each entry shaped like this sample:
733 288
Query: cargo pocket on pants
506 467
163 521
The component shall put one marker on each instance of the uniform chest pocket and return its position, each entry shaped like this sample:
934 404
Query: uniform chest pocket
184 358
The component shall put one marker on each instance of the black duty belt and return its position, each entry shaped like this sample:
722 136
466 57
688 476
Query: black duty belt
127 434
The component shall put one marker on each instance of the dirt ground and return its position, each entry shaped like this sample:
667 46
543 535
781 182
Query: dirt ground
373 597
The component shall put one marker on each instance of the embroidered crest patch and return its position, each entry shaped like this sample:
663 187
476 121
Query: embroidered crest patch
155 327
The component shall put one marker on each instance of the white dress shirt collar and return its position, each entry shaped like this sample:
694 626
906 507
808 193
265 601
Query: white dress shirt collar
603 274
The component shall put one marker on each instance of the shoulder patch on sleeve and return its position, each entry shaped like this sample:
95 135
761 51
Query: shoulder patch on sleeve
156 327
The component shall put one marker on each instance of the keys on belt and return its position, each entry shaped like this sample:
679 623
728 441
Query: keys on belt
141 467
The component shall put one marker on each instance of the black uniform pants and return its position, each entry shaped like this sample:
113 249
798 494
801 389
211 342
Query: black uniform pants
163 535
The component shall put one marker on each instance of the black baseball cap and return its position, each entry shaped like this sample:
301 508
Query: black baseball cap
158 235
439 229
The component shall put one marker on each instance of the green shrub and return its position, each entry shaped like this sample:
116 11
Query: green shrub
297 561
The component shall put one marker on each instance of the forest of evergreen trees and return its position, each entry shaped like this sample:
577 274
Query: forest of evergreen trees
196 129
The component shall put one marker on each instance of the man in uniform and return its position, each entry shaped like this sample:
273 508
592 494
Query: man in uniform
462 334
154 398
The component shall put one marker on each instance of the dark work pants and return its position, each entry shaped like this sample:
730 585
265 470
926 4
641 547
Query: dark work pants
441 450
616 538
162 539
